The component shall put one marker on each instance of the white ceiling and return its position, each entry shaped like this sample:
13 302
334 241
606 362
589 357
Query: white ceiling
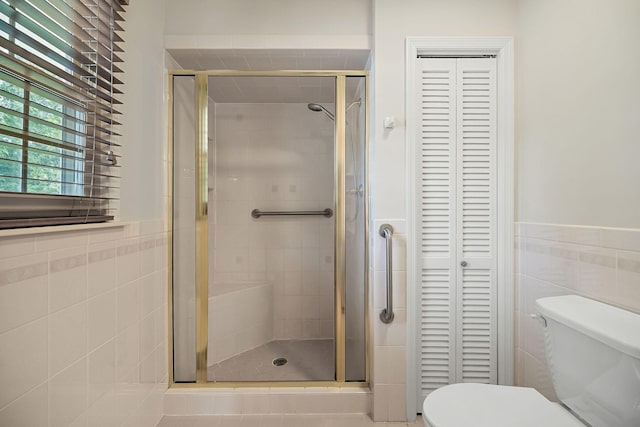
271 59
273 89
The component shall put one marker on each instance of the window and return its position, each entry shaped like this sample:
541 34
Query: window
58 90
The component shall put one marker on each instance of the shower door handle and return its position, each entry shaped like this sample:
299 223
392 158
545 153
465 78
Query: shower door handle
386 315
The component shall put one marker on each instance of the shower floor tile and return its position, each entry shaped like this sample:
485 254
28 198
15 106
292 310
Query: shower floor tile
307 360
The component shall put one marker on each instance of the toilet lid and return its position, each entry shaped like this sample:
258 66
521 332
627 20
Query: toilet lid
485 405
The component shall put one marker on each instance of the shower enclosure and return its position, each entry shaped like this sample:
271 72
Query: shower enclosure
269 227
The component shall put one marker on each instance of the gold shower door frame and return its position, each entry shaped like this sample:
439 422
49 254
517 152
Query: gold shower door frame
202 258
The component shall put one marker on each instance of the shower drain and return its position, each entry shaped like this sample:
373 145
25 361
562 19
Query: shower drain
279 361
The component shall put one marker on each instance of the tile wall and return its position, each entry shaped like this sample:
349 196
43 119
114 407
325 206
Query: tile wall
389 348
83 328
276 157
595 262
242 319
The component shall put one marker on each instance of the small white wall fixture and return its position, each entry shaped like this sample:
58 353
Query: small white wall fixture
502 48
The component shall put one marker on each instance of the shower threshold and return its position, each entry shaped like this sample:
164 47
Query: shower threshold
306 360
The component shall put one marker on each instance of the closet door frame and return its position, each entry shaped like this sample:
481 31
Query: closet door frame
502 48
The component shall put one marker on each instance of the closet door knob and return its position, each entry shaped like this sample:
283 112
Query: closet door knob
464 263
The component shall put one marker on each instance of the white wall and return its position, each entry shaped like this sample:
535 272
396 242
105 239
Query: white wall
143 193
393 22
273 24
578 109
578 104
285 17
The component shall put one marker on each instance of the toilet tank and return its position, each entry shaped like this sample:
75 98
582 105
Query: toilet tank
593 353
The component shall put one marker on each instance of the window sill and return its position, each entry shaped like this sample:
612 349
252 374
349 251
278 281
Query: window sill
61 228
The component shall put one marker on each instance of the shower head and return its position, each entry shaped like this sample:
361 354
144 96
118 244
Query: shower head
317 107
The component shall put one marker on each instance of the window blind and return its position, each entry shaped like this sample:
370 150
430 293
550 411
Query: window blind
59 156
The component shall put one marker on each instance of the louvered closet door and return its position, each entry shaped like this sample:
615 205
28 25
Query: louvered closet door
456 213
436 211
476 221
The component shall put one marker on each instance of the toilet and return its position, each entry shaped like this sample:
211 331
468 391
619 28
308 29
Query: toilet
593 354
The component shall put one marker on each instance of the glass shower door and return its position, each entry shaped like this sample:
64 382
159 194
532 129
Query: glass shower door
271 247
183 228
355 229
269 221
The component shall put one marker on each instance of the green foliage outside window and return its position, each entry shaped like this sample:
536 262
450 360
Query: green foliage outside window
44 161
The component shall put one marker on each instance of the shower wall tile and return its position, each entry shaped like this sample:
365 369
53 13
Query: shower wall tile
73 344
242 320
275 157
595 262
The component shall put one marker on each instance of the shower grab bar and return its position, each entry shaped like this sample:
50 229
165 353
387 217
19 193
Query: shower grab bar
257 213
386 315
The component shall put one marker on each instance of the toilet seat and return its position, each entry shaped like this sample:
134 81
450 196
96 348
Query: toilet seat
485 405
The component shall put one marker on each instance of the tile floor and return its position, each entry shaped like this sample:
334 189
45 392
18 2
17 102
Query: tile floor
316 420
307 360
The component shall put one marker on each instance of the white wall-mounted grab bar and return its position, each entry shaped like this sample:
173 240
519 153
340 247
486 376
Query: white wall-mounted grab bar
386 315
